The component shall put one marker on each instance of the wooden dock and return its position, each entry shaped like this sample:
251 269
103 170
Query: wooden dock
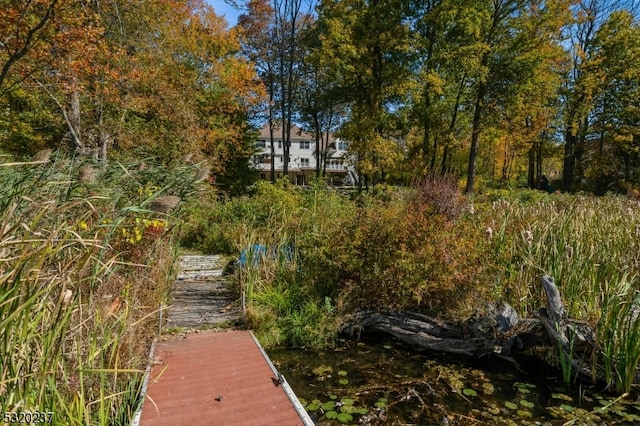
201 296
212 377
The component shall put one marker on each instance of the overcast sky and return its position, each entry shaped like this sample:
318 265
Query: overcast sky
222 8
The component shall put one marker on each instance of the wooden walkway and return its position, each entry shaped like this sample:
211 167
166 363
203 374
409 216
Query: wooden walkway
214 377
201 296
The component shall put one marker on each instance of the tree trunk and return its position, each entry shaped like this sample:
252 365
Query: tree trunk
498 332
475 139
569 160
531 169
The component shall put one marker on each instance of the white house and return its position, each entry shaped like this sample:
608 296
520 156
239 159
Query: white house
302 157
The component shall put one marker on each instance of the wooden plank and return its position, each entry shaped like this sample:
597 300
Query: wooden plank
201 297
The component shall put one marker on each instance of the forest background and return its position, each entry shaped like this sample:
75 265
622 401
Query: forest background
491 91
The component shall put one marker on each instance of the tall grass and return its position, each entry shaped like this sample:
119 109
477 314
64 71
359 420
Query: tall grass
82 267
619 335
591 246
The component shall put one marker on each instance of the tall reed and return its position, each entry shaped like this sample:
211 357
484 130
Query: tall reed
591 246
78 296
619 334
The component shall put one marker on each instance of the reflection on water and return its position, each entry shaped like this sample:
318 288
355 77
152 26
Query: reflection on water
384 381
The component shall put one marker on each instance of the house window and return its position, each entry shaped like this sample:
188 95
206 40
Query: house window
280 144
304 162
304 144
262 144
342 146
335 165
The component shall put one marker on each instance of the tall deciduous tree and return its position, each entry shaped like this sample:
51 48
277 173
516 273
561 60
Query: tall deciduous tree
512 27
257 43
611 147
367 43
27 33
589 15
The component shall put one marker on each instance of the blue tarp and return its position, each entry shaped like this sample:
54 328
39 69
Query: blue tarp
257 252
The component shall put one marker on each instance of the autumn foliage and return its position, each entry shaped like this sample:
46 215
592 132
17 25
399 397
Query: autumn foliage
161 78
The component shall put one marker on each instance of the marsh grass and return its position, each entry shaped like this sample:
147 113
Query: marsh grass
591 246
424 249
83 268
619 335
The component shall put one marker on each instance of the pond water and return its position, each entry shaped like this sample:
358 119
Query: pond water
383 381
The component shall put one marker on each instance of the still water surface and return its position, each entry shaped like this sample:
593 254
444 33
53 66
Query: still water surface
383 381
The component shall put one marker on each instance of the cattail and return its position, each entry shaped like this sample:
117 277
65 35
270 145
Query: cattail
203 172
528 235
489 233
68 294
87 174
164 204
42 156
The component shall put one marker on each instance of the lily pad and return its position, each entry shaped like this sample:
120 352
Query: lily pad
331 415
469 392
313 406
333 396
361 410
328 406
561 396
347 401
344 417
510 405
568 408
342 373
350 409
522 385
524 414
343 381
387 347
322 370
494 410
526 403
488 388
381 403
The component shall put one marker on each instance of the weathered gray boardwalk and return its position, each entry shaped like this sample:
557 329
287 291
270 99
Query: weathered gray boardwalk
201 296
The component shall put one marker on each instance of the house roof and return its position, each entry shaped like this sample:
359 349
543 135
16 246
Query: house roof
296 134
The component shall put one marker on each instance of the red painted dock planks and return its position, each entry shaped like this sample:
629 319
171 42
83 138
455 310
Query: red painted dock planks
214 378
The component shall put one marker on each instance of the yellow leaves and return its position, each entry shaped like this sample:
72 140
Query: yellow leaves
134 233
435 82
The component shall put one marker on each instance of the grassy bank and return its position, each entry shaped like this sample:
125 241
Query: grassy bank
313 256
85 256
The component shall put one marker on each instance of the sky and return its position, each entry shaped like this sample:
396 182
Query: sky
222 8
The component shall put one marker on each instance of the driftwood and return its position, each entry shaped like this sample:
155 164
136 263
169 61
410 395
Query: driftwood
499 332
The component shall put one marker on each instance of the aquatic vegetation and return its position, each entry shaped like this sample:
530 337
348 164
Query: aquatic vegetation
403 387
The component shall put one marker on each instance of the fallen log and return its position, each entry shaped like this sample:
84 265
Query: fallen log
498 331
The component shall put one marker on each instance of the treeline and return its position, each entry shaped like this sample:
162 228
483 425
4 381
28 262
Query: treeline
491 89
507 90
157 78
